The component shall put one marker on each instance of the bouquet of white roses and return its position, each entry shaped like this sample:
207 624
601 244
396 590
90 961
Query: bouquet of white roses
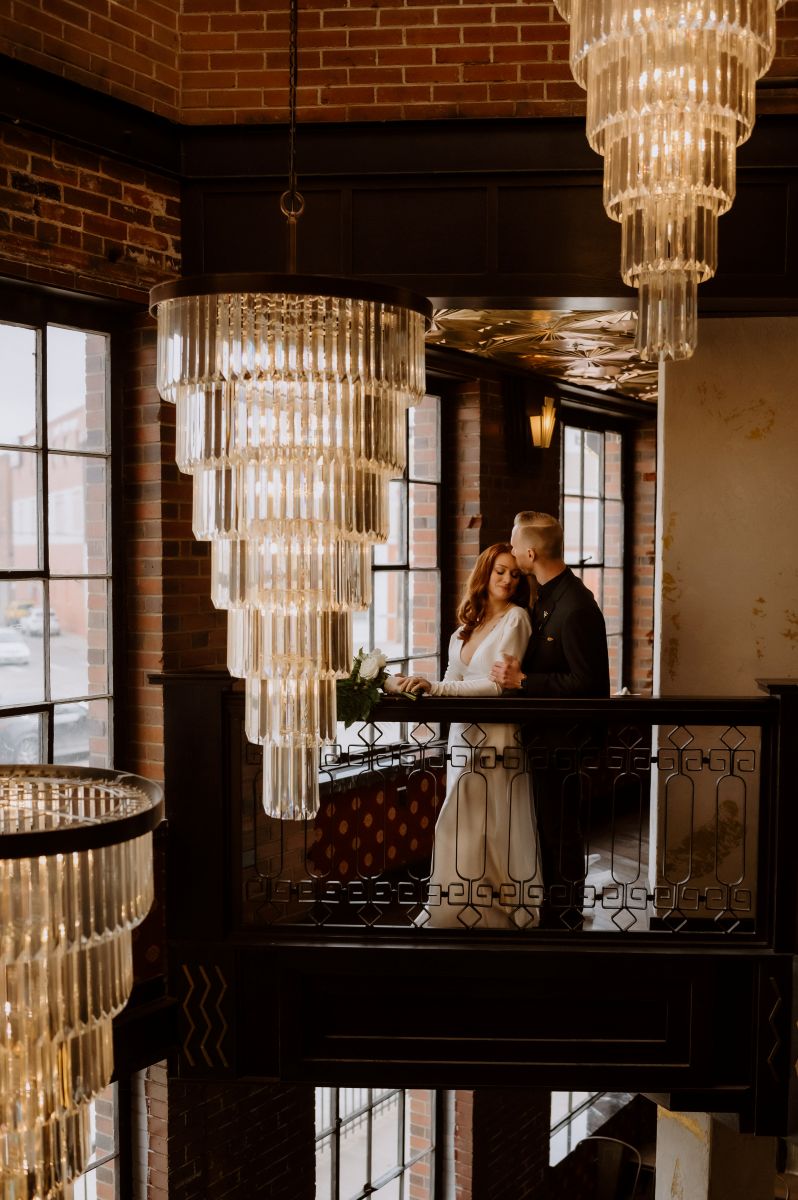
360 691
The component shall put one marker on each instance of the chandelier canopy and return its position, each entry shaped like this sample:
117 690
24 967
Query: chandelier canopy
75 878
670 94
291 394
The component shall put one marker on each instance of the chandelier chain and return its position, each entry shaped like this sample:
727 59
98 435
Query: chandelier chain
292 203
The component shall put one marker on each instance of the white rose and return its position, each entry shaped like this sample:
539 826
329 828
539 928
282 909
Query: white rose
372 664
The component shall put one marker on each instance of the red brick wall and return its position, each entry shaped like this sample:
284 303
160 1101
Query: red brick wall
225 60
168 611
463 1145
128 48
150 1101
510 1142
641 555
73 219
237 1141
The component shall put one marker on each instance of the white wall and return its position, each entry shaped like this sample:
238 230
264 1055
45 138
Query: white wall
727 557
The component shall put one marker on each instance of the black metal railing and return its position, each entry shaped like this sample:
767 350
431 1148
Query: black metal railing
624 816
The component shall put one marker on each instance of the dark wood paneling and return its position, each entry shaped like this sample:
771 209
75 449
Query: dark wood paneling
256 239
419 230
543 227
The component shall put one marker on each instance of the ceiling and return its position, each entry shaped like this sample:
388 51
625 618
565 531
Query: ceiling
592 349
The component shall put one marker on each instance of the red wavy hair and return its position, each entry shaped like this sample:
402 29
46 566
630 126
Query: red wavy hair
471 610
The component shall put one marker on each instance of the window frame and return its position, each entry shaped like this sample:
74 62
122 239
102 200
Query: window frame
576 417
37 308
406 480
370 1185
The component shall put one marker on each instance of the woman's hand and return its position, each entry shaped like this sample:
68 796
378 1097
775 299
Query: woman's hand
416 685
506 671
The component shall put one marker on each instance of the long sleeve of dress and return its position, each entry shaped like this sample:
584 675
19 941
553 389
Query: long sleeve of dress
514 637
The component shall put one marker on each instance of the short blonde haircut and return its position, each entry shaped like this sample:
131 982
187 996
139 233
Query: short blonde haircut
542 532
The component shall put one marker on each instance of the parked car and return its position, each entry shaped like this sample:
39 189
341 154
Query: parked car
20 742
15 610
33 623
13 649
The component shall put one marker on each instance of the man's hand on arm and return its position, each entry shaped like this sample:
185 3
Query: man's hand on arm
506 671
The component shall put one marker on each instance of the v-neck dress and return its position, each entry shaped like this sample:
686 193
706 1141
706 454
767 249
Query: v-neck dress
486 860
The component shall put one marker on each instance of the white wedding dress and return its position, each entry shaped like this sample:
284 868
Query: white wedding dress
486 857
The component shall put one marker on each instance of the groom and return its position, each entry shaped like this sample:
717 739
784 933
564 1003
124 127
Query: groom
566 658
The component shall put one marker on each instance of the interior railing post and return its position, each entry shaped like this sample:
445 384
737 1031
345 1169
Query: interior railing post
784 881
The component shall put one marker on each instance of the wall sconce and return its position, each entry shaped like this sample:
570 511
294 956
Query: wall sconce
542 425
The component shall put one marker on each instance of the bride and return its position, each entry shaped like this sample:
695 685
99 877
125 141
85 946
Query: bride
486 861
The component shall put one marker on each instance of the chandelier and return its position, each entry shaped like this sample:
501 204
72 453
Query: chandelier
291 394
75 878
670 94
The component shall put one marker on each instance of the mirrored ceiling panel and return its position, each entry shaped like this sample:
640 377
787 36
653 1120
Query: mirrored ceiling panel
594 349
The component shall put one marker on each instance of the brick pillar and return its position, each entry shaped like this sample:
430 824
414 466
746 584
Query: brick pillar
510 1133
234 1141
642 554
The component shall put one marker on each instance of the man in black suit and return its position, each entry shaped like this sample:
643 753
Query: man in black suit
566 658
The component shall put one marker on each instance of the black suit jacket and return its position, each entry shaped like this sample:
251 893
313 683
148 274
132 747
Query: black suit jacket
567 653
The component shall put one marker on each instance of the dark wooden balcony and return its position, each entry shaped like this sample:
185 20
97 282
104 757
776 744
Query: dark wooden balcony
306 950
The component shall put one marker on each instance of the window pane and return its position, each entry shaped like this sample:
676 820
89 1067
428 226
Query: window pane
419 1121
352 1158
613 599
612 464
19 510
324 1169
424 612
78 637
593 478
428 667
593 578
424 426
361 631
71 733
390 1191
423 521
22 739
76 389
591 531
78 509
420 1183
18 385
613 533
615 645
21 649
572 460
385 1136
394 550
390 606
572 509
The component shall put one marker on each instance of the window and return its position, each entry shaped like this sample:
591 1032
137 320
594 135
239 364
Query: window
375 1142
101 1178
577 1115
404 617
55 561
593 522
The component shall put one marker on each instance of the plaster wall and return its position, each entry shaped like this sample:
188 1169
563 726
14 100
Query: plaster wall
727 545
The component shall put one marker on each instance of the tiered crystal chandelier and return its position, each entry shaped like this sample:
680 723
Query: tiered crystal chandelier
75 878
292 393
670 94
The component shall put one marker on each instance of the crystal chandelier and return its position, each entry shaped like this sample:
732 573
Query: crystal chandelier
670 94
291 394
75 878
